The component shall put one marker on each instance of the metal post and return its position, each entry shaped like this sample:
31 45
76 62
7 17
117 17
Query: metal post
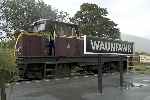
121 71
69 70
127 63
44 71
56 70
100 65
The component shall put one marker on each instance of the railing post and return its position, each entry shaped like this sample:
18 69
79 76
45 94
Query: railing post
100 66
121 71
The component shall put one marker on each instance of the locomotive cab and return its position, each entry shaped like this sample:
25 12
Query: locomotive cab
59 28
54 29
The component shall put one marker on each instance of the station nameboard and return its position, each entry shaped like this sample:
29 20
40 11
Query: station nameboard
95 45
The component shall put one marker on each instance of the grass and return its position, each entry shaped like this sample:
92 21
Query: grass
141 68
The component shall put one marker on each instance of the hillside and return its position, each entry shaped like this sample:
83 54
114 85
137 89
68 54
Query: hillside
141 44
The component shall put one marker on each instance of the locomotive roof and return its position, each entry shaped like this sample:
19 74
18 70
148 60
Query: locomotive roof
54 22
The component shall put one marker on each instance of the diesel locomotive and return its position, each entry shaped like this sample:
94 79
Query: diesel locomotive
55 49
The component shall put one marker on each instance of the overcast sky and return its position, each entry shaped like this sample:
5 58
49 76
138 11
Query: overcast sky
132 16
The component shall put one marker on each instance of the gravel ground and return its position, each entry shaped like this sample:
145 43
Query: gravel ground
136 87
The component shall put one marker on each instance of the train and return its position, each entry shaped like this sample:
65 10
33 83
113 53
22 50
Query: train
50 49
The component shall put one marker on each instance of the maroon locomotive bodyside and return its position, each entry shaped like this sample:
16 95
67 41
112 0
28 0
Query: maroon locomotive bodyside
33 45
67 47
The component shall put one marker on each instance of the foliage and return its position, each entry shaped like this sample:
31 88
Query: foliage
7 66
142 69
19 14
62 16
93 20
7 43
142 53
7 69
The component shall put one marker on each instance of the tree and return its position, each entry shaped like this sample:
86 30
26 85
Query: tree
92 20
62 16
19 14
7 43
7 69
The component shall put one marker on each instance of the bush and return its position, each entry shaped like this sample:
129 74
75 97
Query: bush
7 69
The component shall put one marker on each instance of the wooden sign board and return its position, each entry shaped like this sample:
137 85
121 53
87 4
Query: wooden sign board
95 45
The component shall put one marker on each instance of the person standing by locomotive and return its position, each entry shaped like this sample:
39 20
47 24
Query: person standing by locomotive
51 44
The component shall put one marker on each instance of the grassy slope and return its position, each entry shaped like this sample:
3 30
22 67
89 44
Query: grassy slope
142 68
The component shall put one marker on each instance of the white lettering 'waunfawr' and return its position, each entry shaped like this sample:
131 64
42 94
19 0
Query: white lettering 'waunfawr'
110 46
